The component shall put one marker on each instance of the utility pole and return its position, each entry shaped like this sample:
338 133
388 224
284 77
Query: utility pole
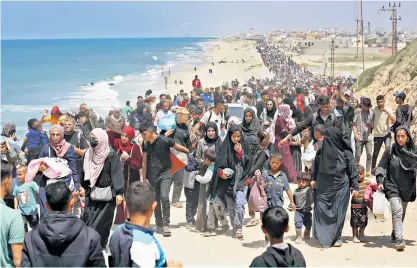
363 41
332 59
394 19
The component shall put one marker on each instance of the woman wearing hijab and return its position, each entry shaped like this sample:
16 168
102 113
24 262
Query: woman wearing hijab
115 124
58 147
250 126
259 164
334 172
284 124
210 140
296 113
131 158
9 131
396 176
104 184
268 115
229 179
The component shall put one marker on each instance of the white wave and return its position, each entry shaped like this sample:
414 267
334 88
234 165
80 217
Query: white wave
190 48
155 57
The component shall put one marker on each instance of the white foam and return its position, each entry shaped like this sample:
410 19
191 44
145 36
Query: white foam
155 57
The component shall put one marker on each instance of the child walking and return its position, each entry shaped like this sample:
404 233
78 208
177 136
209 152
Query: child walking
217 209
276 183
359 208
25 199
303 199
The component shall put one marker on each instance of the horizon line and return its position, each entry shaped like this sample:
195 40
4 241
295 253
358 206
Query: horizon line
88 38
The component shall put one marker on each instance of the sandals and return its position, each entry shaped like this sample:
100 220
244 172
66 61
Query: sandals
252 222
239 234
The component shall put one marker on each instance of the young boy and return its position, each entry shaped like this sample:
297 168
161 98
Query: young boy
276 183
303 199
133 243
191 190
25 199
278 254
217 209
359 208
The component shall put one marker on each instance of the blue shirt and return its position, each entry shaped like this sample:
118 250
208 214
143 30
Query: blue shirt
276 184
26 197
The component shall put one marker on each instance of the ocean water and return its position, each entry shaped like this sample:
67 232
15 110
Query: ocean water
37 74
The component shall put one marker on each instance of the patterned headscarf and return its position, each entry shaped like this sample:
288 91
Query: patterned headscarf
8 130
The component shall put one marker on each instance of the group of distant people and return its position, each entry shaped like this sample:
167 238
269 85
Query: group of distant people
89 173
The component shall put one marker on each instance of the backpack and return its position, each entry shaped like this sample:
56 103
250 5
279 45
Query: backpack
257 196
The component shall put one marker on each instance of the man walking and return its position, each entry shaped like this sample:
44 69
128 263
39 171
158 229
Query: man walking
383 117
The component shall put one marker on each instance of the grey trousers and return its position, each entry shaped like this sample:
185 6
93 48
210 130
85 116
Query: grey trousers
178 180
398 209
216 211
359 150
236 208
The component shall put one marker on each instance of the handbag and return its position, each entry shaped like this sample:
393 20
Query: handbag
101 194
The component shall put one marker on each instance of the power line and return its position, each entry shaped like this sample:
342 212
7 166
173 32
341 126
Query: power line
394 19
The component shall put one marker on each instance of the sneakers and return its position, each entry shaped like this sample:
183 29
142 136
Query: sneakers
400 246
209 233
355 235
298 238
190 225
177 205
166 232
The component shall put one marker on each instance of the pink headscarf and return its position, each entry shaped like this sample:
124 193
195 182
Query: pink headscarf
285 111
94 157
61 147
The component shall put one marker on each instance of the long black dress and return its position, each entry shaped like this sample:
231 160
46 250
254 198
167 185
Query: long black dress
99 214
334 170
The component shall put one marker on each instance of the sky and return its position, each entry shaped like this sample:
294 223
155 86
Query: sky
78 19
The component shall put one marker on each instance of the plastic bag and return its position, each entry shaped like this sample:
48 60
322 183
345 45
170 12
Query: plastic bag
167 122
308 156
380 204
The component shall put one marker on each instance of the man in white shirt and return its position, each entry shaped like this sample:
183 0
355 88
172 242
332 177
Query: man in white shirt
213 116
383 117
162 113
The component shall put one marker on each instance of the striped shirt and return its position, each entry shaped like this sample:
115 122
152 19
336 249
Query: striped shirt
358 202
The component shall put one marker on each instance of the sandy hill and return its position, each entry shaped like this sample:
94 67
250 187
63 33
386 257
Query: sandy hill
397 73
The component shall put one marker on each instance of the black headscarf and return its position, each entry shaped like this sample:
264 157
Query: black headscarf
227 155
272 112
253 126
327 155
407 155
212 125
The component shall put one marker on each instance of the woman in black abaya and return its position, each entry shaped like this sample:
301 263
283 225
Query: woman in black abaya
334 171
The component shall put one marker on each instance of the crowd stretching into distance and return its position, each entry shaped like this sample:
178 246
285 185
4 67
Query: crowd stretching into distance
241 143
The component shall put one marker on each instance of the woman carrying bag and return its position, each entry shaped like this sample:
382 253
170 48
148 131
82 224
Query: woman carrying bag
104 183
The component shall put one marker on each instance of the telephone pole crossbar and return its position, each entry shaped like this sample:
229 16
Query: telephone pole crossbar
394 20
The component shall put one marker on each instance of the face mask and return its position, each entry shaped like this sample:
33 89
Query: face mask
93 143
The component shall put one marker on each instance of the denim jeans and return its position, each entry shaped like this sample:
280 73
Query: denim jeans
359 150
377 147
163 209
236 209
398 209
191 196
178 180
302 218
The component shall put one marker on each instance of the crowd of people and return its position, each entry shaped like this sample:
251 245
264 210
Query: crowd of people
88 173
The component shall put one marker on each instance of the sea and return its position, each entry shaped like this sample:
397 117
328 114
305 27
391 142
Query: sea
103 73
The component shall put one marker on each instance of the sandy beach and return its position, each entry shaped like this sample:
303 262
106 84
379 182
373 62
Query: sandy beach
230 52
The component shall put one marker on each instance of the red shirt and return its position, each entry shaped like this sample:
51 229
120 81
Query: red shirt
196 83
